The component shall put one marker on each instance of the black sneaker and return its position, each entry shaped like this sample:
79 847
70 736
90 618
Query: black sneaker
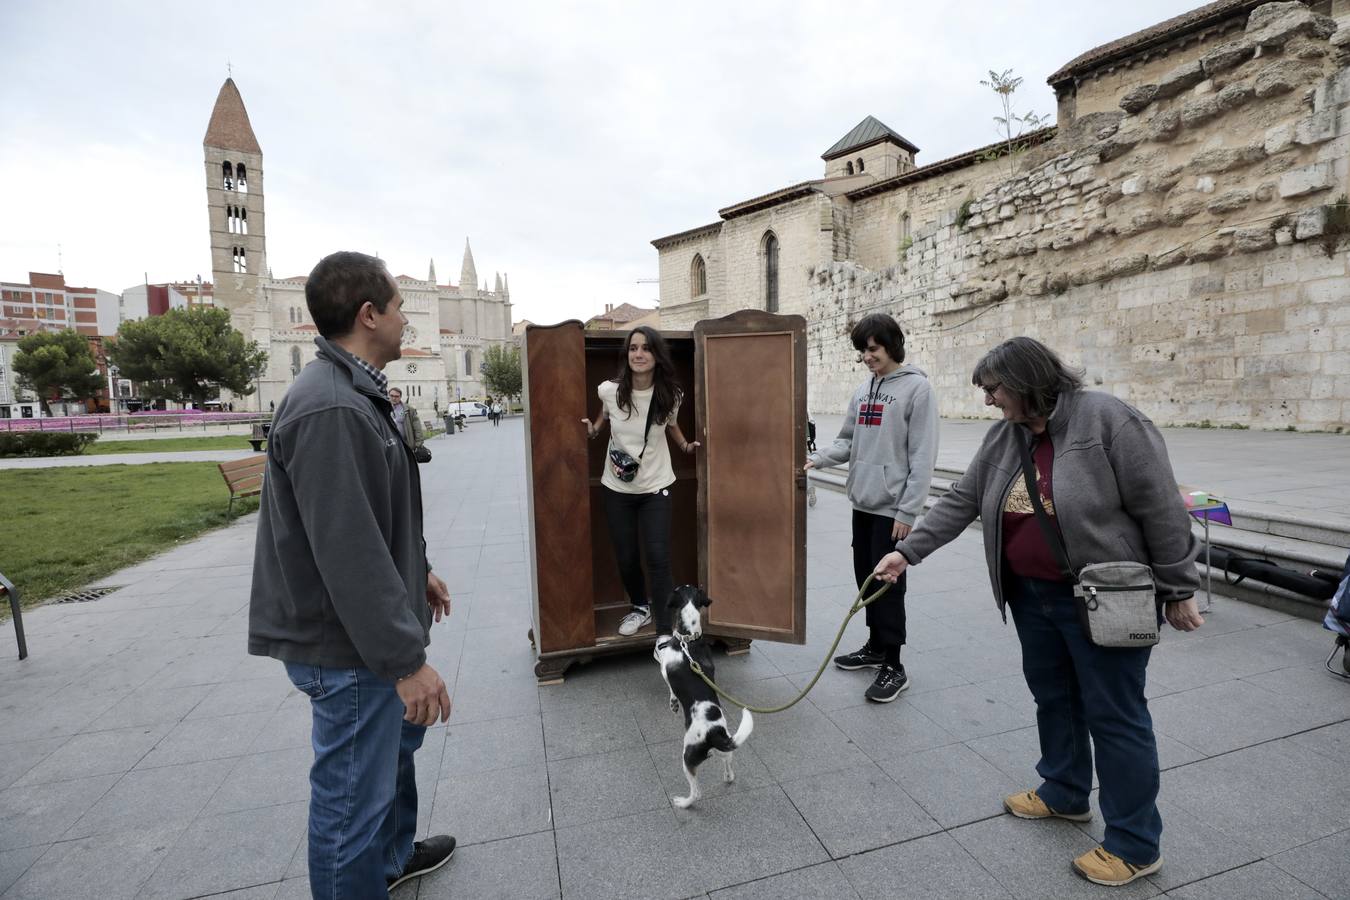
865 658
427 856
891 682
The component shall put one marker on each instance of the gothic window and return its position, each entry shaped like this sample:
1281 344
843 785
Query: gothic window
227 176
468 362
905 239
698 277
848 168
243 220
295 361
242 178
859 167
770 251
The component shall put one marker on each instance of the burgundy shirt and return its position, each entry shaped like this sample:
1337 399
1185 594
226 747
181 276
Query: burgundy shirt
1024 545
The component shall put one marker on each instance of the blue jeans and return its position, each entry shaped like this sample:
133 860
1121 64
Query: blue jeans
363 787
1083 690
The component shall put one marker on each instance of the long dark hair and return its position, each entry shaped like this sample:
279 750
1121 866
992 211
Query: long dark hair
666 390
1031 370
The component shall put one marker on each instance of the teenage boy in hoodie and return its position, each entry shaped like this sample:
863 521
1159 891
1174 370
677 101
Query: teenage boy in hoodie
889 440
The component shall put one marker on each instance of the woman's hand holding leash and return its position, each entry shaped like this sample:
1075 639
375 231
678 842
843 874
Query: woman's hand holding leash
891 567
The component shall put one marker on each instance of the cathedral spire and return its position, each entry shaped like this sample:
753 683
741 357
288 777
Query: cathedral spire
499 283
468 275
431 271
229 128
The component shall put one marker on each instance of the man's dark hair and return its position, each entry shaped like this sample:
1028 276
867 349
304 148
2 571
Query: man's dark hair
1029 369
340 284
884 330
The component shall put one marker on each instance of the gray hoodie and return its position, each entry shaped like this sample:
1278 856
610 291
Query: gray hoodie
339 571
889 440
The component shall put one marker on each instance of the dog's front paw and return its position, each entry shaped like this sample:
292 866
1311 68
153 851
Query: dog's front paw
682 802
674 706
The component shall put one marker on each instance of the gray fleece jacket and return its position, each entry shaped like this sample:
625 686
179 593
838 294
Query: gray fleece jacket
889 440
339 569
1114 494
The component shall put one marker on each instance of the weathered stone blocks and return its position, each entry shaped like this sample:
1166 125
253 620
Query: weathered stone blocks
1164 126
1281 78
1275 24
1227 56
1234 95
1317 128
1199 110
1179 79
1307 180
1229 201
1138 99
1250 240
1224 159
1182 208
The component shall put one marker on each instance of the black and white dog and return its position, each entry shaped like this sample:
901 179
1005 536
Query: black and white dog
705 727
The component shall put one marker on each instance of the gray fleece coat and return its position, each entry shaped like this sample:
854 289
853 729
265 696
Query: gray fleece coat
889 440
1114 493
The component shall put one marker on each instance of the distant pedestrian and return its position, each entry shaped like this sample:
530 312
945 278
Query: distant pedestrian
497 412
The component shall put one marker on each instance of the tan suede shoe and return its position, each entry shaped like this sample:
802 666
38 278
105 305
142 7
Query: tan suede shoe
1027 805
1103 867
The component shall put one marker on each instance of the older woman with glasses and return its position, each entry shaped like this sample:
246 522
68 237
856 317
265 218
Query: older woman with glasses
1104 479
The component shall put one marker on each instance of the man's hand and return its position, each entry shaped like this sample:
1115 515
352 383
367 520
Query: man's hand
891 567
899 531
424 696
438 596
1183 615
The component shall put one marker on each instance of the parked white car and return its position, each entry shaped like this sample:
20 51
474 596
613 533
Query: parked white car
468 408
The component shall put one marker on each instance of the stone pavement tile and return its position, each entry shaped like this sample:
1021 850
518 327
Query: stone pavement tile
1014 753
1204 660
583 730
619 859
298 889
971 711
606 786
253 695
500 651
743 668
1332 742
102 867
858 809
745 836
13 863
489 611
977 660
1258 881
1322 864
261 843
264 779
1222 717
261 892
1284 787
607 680
810 883
1307 685
290 726
488 806
836 688
803 741
148 798
521 868
925 869
478 697
43 813
428 769
953 784
17 759
149 705
887 731
746 765
1191 848
925 632
1031 859
493 744
193 740
61 714
98 753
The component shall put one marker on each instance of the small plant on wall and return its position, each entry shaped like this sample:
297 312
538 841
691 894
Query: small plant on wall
1011 125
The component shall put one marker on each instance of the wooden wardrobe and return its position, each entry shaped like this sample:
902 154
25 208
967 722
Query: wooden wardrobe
739 505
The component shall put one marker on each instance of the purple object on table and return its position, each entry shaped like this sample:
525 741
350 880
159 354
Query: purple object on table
1213 512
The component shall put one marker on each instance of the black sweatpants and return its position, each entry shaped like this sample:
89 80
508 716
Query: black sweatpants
871 541
639 525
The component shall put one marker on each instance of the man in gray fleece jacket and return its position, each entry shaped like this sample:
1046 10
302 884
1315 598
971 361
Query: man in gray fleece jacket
889 440
343 594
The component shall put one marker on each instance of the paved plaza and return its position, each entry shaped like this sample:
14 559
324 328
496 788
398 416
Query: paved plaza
144 754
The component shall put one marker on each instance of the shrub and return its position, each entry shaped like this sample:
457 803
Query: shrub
44 443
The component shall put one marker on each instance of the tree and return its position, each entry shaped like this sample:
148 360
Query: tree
192 353
1011 125
57 366
501 370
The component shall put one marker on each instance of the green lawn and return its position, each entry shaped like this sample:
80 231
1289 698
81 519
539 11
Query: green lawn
164 445
64 528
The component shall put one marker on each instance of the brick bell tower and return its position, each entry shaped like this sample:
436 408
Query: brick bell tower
234 198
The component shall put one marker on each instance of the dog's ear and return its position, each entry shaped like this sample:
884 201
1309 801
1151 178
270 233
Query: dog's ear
703 599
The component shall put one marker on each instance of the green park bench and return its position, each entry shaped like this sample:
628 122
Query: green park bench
7 589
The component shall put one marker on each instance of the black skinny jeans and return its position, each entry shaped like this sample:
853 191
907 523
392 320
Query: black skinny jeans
639 525
871 541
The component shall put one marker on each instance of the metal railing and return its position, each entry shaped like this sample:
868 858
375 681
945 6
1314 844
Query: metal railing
153 421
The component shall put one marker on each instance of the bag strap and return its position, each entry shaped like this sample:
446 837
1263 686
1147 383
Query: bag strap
1052 535
651 409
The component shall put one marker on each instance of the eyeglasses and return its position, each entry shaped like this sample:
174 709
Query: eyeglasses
990 390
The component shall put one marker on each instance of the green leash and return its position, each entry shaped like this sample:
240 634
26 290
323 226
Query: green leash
859 603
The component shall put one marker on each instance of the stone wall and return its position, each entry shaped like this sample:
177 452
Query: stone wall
1184 248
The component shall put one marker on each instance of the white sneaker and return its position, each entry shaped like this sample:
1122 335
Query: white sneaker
630 623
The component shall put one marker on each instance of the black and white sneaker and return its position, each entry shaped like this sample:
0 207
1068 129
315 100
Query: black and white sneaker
890 683
865 658
427 856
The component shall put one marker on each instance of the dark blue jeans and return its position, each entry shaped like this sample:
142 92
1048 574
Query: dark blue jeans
363 788
1083 690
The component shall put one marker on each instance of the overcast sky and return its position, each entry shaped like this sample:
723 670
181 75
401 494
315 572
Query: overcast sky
561 138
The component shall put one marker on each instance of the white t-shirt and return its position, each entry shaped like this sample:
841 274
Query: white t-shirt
625 432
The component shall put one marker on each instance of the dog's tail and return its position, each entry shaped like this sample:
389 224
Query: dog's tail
727 742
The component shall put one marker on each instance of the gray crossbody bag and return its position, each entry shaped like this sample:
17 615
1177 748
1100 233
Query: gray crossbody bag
1116 600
